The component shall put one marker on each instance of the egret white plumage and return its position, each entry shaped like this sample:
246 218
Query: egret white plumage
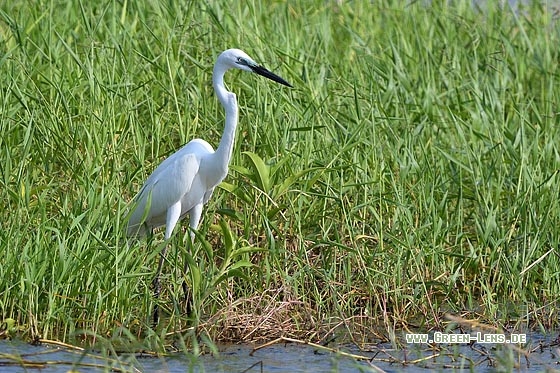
184 182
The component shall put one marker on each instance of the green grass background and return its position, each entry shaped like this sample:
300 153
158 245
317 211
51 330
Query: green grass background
412 171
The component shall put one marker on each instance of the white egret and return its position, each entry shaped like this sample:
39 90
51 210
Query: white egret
185 181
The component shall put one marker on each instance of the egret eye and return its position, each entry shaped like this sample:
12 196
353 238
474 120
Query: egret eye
241 61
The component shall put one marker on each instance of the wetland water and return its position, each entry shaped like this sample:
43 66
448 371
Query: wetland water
542 354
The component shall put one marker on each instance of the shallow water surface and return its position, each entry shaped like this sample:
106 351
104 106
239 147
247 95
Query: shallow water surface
17 356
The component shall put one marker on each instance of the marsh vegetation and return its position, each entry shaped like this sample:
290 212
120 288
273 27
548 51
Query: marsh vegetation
412 172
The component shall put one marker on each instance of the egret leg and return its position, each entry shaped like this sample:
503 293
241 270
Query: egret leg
173 214
194 220
156 284
186 290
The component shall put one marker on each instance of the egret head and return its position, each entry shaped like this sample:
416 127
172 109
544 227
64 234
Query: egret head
237 59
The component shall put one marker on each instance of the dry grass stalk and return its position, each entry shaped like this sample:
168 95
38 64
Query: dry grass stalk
270 315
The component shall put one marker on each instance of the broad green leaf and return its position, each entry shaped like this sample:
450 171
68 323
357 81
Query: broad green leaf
262 171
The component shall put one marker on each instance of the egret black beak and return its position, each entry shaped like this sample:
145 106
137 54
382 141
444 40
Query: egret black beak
270 75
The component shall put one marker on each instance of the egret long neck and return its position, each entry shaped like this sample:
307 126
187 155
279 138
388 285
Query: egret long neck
229 102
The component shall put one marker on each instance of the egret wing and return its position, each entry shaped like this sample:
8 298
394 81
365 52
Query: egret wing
167 185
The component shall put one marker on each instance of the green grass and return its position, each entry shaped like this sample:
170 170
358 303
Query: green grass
412 171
